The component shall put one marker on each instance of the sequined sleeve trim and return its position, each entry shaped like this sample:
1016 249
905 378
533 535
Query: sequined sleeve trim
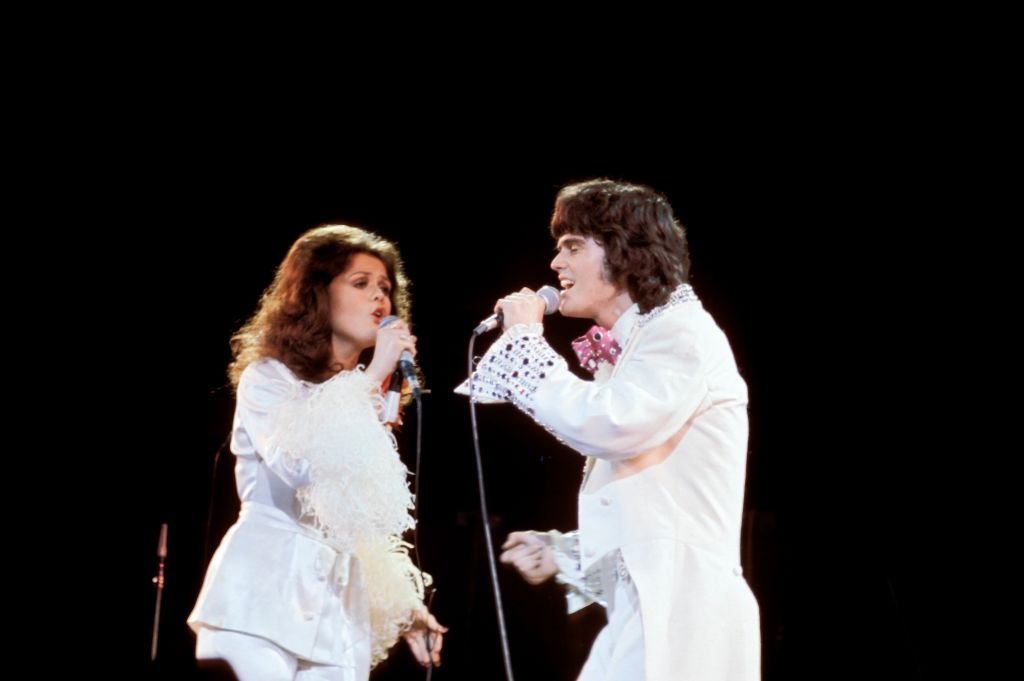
683 294
531 329
514 367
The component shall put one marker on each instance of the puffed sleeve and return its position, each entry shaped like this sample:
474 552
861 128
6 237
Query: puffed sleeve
660 385
263 391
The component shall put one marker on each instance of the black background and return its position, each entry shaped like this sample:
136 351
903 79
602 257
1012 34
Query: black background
839 526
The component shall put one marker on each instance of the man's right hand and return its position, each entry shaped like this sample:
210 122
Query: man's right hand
531 555
522 307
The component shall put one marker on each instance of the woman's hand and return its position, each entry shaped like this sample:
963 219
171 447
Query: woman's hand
531 555
425 638
392 341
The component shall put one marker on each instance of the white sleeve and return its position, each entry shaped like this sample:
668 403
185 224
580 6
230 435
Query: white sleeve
658 388
263 391
581 588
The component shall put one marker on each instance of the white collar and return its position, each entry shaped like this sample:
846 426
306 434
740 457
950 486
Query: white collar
623 326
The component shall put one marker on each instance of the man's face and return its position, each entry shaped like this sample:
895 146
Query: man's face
580 265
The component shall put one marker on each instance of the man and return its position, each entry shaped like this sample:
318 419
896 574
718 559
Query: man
664 428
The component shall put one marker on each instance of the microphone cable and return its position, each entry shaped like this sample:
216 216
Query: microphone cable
429 591
485 519
208 530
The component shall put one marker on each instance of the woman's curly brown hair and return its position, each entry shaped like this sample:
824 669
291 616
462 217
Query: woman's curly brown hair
292 323
644 244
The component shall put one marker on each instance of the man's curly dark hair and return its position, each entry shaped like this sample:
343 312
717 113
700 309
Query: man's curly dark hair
645 245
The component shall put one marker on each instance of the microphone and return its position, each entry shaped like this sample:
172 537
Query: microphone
393 398
548 293
406 362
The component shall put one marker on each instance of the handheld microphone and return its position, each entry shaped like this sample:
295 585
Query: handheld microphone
548 293
393 398
406 362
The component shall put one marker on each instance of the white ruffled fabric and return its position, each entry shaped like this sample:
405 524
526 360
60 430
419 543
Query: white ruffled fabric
358 496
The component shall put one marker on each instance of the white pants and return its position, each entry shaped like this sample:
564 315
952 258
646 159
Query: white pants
256 659
618 651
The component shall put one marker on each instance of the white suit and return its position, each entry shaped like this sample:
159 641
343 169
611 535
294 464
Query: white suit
324 502
667 433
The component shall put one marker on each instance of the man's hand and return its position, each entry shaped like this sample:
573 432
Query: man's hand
524 307
531 555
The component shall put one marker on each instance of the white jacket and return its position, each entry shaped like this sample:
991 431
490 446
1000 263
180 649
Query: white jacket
667 433
324 502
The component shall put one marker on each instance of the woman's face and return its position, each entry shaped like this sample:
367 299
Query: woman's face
359 299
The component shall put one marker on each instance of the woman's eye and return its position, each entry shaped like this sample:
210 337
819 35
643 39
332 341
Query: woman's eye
360 284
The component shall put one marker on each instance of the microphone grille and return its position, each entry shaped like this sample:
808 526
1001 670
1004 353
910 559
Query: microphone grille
551 298
390 319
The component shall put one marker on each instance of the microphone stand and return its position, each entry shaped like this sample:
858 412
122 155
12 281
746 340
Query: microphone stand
161 553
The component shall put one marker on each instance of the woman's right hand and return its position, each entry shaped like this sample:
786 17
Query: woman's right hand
425 637
392 341
531 555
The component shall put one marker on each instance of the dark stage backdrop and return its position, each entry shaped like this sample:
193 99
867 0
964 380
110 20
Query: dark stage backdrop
829 544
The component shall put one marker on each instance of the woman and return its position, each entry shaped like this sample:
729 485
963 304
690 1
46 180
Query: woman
313 580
